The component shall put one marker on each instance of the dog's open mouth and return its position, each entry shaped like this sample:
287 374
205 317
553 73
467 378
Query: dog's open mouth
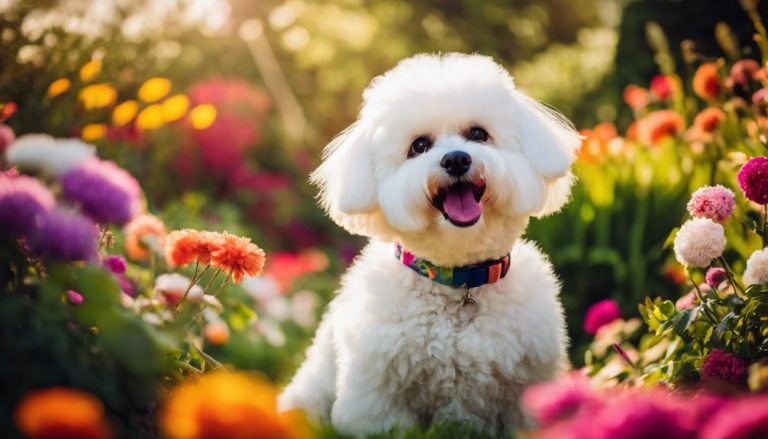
460 202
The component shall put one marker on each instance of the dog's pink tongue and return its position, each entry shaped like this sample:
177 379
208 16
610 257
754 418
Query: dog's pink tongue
460 204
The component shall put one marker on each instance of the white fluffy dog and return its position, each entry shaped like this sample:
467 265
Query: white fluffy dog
447 315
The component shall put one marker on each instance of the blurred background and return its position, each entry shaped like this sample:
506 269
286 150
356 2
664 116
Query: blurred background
220 108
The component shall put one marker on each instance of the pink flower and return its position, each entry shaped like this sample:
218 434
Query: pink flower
7 136
686 302
636 97
753 180
721 366
74 297
744 71
715 276
555 401
740 419
713 202
601 314
641 415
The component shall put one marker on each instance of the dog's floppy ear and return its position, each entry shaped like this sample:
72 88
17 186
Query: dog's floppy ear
550 143
345 178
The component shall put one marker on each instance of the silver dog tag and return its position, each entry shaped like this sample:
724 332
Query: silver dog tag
469 300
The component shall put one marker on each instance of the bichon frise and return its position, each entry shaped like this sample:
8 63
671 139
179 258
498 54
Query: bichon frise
447 315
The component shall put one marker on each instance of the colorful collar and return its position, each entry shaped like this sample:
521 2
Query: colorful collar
468 276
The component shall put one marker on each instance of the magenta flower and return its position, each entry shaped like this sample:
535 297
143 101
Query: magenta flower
104 191
753 180
555 401
641 415
724 367
601 314
65 236
715 276
22 201
713 202
115 264
740 419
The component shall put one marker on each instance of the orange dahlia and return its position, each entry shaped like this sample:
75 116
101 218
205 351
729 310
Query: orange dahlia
709 119
706 82
62 413
139 231
228 405
185 246
659 125
238 256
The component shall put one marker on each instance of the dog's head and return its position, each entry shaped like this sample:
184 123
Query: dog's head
445 146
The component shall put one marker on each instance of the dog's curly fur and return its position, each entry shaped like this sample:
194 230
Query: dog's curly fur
396 349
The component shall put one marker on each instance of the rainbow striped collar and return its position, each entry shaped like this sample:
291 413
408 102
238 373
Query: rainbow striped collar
468 276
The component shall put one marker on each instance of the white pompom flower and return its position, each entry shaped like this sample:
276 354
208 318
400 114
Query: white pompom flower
757 268
43 153
698 242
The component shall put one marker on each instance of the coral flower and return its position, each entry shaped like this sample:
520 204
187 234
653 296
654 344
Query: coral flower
183 247
659 125
142 234
713 202
753 180
601 314
238 257
636 97
709 119
61 413
227 405
706 82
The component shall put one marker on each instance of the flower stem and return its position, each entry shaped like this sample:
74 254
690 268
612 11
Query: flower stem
710 316
763 232
736 287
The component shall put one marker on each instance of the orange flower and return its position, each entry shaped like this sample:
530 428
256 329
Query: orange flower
62 413
706 83
709 119
659 125
228 405
636 97
238 256
139 231
183 247
216 333
594 146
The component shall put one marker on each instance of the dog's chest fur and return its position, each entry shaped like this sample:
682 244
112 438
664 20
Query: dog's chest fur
430 358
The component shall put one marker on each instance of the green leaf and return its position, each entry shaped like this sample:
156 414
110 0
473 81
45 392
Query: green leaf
670 239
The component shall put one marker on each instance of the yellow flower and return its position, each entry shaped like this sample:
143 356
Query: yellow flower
90 70
202 116
93 131
97 96
154 89
175 107
58 87
222 404
124 113
150 118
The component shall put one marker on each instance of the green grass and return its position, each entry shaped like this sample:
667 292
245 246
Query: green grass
442 431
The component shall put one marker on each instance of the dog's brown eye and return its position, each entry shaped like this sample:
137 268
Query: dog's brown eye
477 134
420 145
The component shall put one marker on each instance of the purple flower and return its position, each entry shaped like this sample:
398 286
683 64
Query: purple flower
713 202
104 191
715 276
22 201
115 264
65 236
721 366
740 419
601 314
753 180
125 284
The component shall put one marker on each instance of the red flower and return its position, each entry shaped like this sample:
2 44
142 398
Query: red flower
663 86
659 125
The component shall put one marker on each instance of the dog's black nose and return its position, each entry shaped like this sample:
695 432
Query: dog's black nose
456 163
